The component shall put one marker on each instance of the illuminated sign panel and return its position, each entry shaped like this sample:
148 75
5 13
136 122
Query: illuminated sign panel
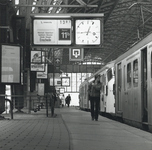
52 32
10 64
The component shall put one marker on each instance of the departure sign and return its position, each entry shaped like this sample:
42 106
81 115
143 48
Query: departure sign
52 32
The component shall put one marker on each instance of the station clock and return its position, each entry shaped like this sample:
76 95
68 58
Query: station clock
88 32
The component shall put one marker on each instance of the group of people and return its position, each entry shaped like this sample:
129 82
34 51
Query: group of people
94 89
65 101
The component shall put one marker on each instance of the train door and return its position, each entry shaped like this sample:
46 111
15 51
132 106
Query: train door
129 93
144 85
119 86
124 94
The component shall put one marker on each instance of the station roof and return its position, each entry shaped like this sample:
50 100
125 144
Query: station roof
125 23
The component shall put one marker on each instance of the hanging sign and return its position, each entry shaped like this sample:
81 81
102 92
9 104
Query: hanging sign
52 31
43 75
76 54
65 81
37 61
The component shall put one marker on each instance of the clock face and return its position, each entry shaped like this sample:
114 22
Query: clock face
87 32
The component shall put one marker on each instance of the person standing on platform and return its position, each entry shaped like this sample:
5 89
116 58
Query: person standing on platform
94 96
63 100
68 99
52 98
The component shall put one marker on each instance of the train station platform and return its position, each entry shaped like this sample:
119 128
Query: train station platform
69 129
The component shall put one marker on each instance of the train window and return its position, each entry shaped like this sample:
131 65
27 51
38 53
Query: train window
103 78
109 74
135 73
129 74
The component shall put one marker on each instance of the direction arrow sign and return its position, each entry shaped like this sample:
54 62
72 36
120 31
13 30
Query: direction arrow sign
76 54
57 61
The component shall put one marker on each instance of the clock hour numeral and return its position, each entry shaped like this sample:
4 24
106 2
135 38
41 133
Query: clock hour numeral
92 23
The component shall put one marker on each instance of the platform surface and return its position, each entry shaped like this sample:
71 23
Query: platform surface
69 129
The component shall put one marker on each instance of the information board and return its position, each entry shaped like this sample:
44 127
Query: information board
10 64
52 32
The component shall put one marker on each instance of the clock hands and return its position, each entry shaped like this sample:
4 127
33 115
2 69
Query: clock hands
88 30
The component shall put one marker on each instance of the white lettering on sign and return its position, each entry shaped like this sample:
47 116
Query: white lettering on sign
37 67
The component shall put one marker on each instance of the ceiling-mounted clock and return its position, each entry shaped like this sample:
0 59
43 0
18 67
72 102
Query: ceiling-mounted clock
88 32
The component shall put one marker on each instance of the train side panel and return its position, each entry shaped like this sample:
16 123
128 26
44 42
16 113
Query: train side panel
149 86
134 84
110 98
107 102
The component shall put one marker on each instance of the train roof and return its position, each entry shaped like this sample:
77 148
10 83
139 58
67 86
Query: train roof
141 44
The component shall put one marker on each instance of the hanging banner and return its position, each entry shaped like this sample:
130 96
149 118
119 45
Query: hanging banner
76 54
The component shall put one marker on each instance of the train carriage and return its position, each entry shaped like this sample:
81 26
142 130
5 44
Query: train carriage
134 84
107 100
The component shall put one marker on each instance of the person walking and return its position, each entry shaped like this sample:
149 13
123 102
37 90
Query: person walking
94 96
68 99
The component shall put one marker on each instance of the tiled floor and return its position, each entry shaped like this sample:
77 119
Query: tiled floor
71 129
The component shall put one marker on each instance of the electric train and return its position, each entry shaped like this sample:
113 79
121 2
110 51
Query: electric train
127 86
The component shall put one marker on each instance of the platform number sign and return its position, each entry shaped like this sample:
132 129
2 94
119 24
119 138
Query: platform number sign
64 34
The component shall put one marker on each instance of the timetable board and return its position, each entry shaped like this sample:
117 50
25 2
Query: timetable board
52 32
